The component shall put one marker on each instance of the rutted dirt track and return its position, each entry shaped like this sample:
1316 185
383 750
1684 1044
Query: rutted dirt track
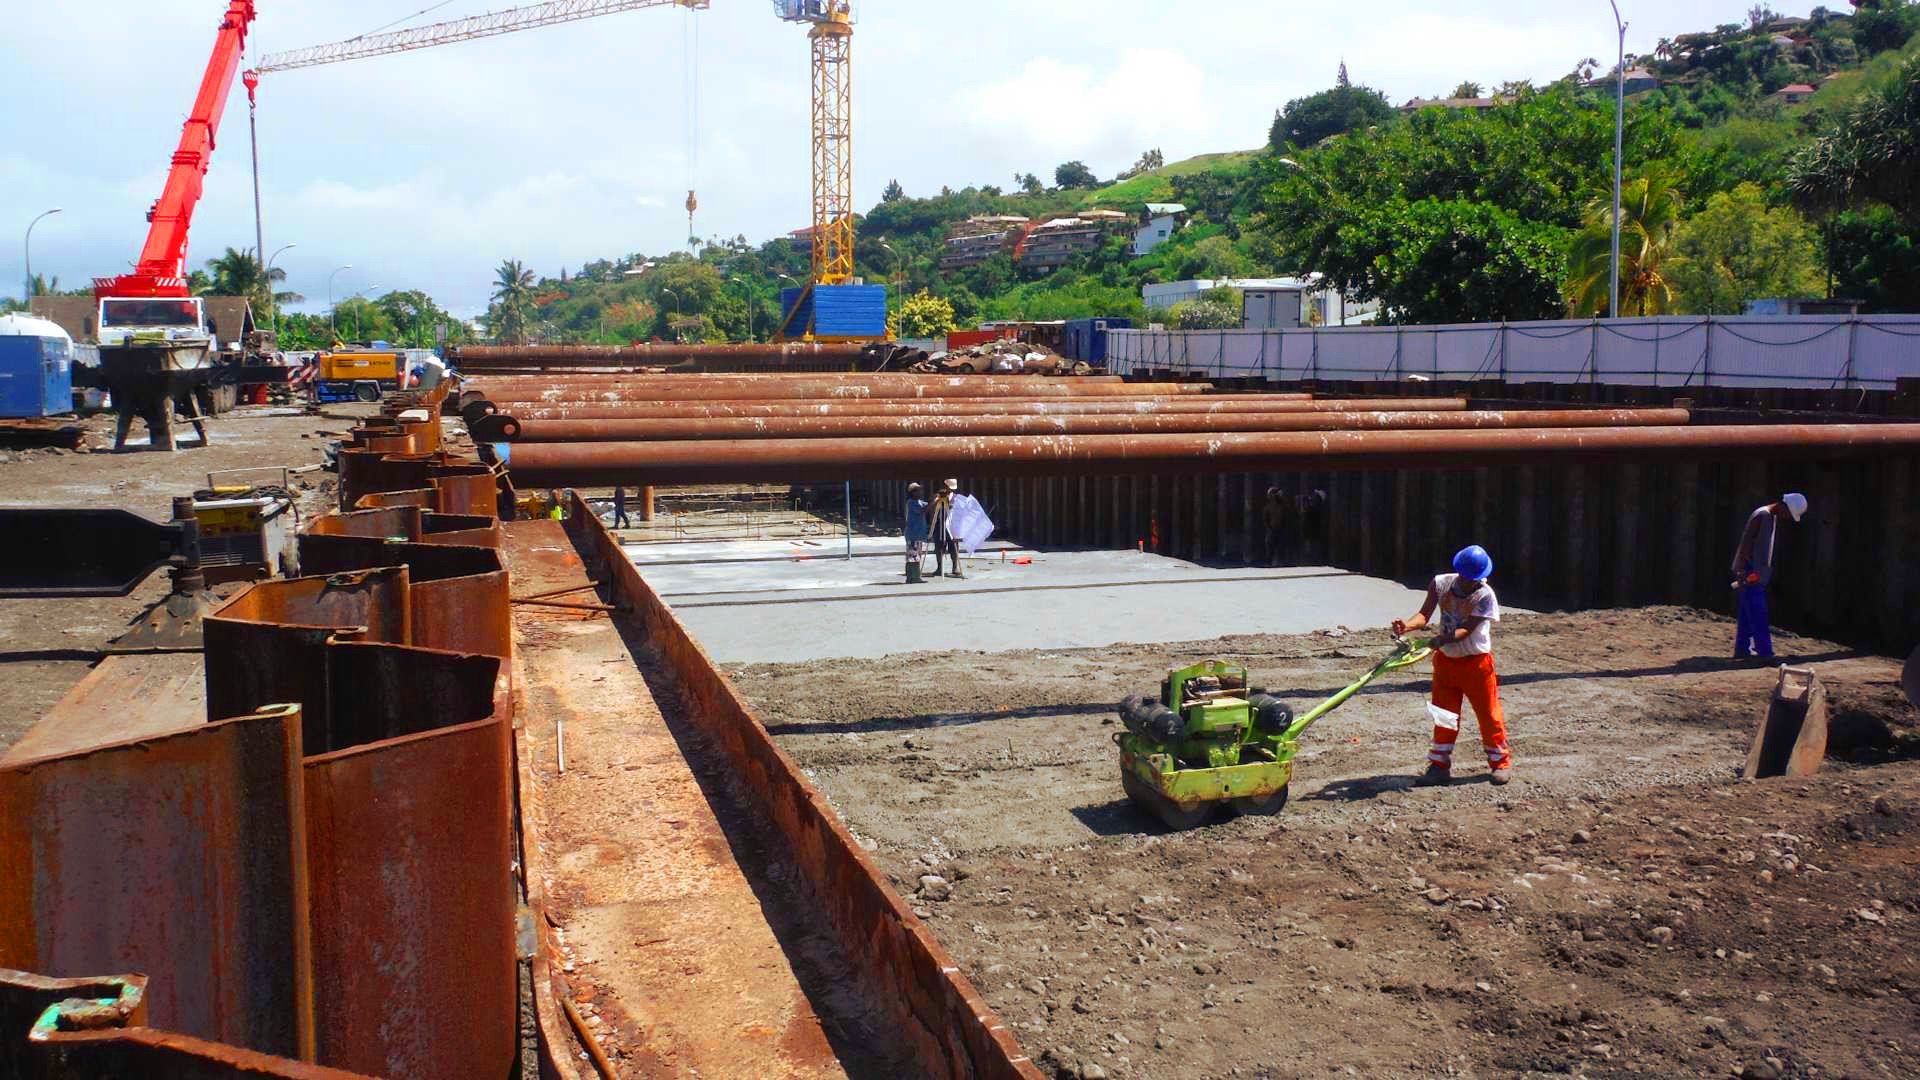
1626 907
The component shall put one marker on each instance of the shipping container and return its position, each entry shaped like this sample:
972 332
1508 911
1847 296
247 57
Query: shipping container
1086 339
835 312
36 376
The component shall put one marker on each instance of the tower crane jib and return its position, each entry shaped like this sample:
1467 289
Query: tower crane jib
491 24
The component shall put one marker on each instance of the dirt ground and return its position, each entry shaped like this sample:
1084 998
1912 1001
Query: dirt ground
1626 908
46 646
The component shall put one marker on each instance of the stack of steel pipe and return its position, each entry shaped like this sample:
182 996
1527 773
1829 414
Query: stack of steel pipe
832 459
652 430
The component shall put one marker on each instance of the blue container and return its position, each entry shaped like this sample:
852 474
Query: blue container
836 312
36 376
1086 339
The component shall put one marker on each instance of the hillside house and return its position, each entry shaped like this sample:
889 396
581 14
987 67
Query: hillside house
977 239
1476 104
1051 244
1797 94
1638 81
1160 221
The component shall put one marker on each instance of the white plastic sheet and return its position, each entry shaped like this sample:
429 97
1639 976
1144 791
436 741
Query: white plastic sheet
969 523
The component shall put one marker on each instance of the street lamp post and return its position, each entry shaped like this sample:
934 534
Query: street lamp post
356 311
1619 124
26 295
896 283
752 303
273 304
332 328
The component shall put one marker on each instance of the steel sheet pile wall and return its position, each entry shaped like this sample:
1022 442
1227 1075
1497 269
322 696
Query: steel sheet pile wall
1565 534
941 1022
323 883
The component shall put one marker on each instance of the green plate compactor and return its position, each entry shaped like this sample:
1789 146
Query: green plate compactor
1209 741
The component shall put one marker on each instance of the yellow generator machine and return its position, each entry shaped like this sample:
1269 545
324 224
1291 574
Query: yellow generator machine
358 374
247 530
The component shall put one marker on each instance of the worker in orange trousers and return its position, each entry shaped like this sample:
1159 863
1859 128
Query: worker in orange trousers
1463 666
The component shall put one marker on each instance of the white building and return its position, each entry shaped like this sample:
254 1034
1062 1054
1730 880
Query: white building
1162 221
1268 303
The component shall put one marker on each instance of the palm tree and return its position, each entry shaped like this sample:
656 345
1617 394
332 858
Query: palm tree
513 302
45 286
1649 213
1664 49
1870 153
238 273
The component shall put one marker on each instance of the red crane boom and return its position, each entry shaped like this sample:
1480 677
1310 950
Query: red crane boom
162 269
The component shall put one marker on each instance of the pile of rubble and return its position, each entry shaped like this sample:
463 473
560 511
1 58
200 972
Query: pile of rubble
1003 358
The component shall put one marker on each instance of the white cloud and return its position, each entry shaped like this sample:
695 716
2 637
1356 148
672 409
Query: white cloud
569 143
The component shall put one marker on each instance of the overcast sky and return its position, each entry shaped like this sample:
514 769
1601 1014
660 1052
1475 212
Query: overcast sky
570 143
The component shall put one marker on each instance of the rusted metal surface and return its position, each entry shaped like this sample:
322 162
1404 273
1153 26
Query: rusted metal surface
942 1025
1209 404
413 951
179 856
789 389
97 1029
807 460
483 357
565 431
170 689
648 851
1792 738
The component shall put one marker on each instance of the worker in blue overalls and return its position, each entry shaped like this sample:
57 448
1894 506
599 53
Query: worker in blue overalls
1753 572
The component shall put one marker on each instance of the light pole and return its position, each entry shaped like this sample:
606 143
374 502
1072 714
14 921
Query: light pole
1619 123
675 309
752 303
26 295
273 305
332 329
896 283
356 311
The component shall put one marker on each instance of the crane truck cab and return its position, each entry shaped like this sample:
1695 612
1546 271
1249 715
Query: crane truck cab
173 322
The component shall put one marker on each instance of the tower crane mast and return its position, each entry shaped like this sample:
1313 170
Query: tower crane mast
832 37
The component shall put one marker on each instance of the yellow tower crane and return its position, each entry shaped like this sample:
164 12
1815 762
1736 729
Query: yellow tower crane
832 37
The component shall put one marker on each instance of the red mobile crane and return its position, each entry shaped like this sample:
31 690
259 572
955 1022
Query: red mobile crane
156 347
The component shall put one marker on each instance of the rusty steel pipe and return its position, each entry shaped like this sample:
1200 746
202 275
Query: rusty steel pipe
807 460
809 390
635 378
479 356
510 429
1209 404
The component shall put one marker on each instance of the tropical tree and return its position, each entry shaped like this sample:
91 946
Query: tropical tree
1313 119
1468 89
893 192
238 273
922 315
1650 206
1075 174
1737 249
1869 154
512 302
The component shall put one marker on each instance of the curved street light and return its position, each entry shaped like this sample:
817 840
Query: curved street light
752 304
273 304
26 295
331 309
356 311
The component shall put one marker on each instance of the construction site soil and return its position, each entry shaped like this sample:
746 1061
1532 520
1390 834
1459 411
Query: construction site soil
46 646
1627 907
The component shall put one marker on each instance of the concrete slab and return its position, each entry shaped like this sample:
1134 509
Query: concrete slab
780 602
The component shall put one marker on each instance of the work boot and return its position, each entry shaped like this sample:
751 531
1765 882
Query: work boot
913 571
957 574
1501 775
1435 776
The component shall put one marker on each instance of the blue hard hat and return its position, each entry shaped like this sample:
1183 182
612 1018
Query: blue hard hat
1473 563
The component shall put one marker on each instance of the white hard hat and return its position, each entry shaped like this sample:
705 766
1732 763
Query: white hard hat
1796 504
954 485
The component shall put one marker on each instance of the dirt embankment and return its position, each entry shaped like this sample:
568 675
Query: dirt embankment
1625 908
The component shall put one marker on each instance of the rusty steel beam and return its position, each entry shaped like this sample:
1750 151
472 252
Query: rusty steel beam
1209 404
807 460
788 389
505 428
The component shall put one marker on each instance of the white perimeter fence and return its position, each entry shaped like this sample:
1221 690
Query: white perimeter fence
1837 351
